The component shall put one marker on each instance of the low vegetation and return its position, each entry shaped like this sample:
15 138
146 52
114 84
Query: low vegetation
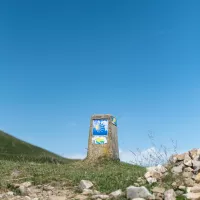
21 162
14 149
107 176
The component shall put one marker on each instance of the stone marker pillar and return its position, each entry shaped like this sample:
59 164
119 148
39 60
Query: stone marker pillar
103 139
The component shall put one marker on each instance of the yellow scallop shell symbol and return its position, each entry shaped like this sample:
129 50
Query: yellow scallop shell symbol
97 127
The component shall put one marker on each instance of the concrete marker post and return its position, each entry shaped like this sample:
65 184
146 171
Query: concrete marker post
103 138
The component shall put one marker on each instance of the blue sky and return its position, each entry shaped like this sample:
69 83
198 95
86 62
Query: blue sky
63 61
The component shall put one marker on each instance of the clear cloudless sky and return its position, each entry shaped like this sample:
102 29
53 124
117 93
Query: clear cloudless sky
62 61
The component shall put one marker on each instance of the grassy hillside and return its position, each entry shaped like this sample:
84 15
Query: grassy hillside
12 148
107 176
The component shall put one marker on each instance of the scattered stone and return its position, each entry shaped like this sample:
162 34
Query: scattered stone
189 182
188 169
15 173
85 184
23 190
138 199
116 194
159 196
188 189
158 190
151 180
136 184
10 193
196 164
48 188
187 174
57 198
195 189
174 185
15 186
193 196
27 198
158 168
170 195
185 171
80 197
87 192
182 187
193 153
100 196
96 192
179 192
197 178
178 169
180 157
137 192
153 174
161 169
26 184
187 160
141 181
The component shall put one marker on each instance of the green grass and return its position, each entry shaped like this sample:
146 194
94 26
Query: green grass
41 166
12 149
107 176
38 165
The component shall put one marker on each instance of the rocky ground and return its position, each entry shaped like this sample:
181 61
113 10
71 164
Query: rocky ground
178 179
26 191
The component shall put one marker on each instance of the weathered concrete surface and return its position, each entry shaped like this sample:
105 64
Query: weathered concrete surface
110 149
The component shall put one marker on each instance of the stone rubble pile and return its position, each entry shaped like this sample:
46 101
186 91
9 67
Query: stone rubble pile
185 168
